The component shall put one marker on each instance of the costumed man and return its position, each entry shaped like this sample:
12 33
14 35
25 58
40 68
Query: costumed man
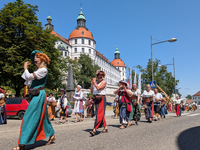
124 104
52 104
147 97
177 106
78 103
157 104
36 125
62 105
99 91
135 105
3 119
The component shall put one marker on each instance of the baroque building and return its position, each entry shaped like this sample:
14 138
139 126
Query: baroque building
81 41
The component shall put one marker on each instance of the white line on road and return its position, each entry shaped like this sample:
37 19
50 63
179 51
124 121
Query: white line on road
194 114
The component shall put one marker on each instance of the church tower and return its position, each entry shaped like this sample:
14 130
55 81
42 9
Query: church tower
49 25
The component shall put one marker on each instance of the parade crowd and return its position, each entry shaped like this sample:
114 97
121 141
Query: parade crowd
128 105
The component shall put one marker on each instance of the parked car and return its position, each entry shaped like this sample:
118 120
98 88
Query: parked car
16 107
69 110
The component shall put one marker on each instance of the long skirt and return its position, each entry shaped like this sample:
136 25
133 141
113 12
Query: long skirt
78 106
148 111
35 125
163 111
3 119
178 110
123 115
89 111
135 112
100 106
51 112
169 107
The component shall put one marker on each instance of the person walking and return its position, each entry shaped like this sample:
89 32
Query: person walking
89 107
157 104
124 104
99 91
163 108
135 105
52 104
78 104
148 96
62 104
3 117
35 125
177 106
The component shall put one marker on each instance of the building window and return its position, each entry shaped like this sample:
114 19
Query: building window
75 41
90 51
65 53
75 50
83 50
89 42
82 32
82 41
75 58
117 62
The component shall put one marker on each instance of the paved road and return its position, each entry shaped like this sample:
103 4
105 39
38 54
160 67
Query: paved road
172 133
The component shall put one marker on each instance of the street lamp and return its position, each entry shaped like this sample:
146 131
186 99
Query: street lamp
170 40
174 74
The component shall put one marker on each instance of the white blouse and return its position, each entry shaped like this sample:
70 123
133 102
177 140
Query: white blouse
158 96
137 92
99 92
148 94
40 73
78 97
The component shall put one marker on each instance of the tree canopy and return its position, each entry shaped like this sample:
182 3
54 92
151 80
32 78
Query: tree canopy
20 34
87 70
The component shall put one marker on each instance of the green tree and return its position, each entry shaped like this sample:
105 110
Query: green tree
20 34
188 96
87 70
162 77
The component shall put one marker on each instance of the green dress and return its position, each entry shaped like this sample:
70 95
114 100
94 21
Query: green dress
35 125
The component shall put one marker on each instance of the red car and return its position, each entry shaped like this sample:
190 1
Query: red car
16 107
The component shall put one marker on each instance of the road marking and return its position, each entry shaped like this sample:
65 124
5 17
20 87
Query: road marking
194 114
185 114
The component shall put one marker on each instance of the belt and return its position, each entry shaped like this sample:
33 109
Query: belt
99 95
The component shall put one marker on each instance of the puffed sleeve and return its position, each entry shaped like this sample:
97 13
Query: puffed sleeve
131 93
1 95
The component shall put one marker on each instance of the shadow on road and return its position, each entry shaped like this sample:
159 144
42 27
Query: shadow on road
37 144
189 139
88 130
115 126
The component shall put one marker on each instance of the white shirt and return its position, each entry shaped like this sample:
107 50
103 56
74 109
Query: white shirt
78 95
137 92
1 95
51 99
40 73
158 96
99 92
148 94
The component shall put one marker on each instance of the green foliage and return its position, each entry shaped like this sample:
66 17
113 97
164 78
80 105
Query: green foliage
72 104
188 96
20 34
87 70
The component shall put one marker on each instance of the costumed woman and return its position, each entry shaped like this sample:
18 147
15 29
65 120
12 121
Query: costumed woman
124 104
62 105
78 103
3 119
52 104
163 109
99 91
89 107
157 104
177 106
35 125
147 97
135 105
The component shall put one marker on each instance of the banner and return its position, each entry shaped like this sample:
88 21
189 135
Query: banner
139 82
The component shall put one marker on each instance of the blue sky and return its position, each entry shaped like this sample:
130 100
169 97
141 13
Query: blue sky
130 24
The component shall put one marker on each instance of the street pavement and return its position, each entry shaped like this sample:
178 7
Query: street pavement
171 133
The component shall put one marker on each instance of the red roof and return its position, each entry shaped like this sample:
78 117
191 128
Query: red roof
81 32
102 56
118 63
197 94
61 38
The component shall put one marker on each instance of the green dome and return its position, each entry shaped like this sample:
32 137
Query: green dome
117 50
81 16
49 17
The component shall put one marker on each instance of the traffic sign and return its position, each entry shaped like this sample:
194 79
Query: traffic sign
153 84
